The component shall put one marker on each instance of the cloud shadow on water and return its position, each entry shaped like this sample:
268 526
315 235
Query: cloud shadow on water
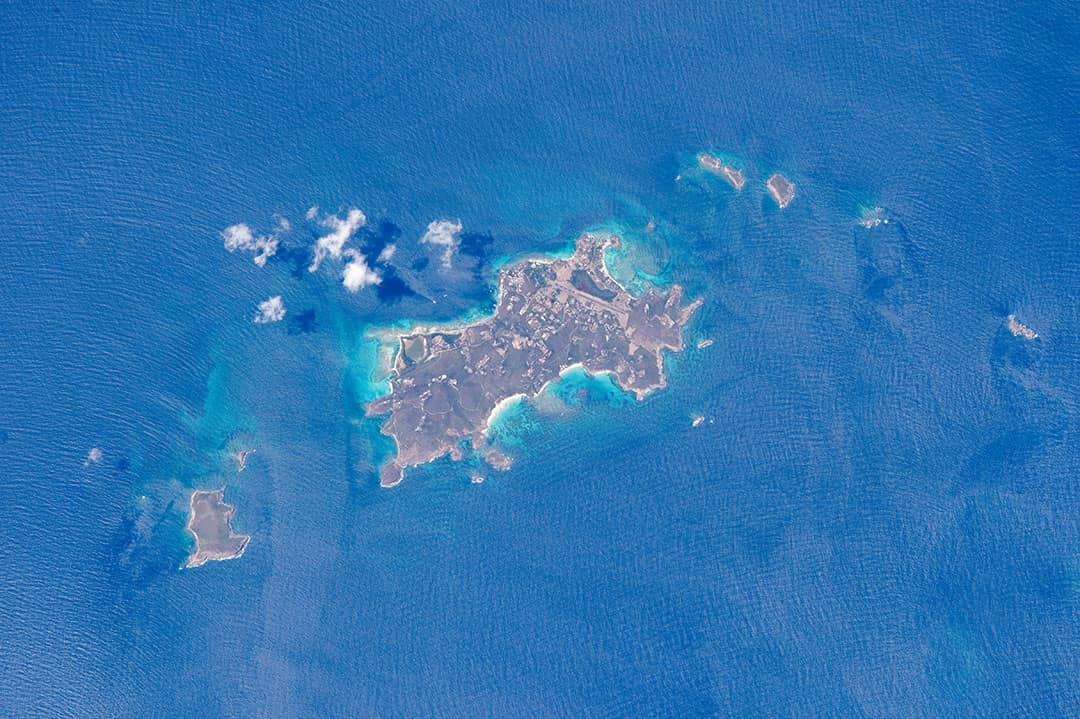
297 258
375 238
303 322
393 288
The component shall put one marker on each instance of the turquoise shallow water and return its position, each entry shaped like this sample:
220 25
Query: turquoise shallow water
877 516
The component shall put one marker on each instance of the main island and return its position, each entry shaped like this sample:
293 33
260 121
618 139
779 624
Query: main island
550 315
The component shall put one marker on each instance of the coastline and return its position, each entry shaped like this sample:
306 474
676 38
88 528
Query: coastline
501 407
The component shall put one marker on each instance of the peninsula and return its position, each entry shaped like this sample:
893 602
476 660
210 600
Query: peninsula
728 172
551 314
209 524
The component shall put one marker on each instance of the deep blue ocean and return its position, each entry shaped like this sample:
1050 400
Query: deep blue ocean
879 515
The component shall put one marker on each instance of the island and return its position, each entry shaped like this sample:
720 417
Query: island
209 524
871 217
715 164
1021 330
448 382
240 456
781 190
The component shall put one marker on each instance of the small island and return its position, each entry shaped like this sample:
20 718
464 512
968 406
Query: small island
714 164
448 382
871 217
1021 330
240 456
209 524
781 190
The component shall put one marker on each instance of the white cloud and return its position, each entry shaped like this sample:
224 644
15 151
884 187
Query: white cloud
357 274
312 212
387 253
240 237
271 310
443 233
93 456
331 245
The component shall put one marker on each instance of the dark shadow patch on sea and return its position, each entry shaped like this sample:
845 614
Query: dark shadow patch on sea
392 288
461 283
297 258
377 237
1030 423
1008 350
997 461
373 240
366 450
475 251
150 542
890 273
476 244
304 322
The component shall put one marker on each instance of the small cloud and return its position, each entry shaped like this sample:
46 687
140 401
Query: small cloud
240 237
312 212
331 244
271 310
443 233
386 254
357 274
93 456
